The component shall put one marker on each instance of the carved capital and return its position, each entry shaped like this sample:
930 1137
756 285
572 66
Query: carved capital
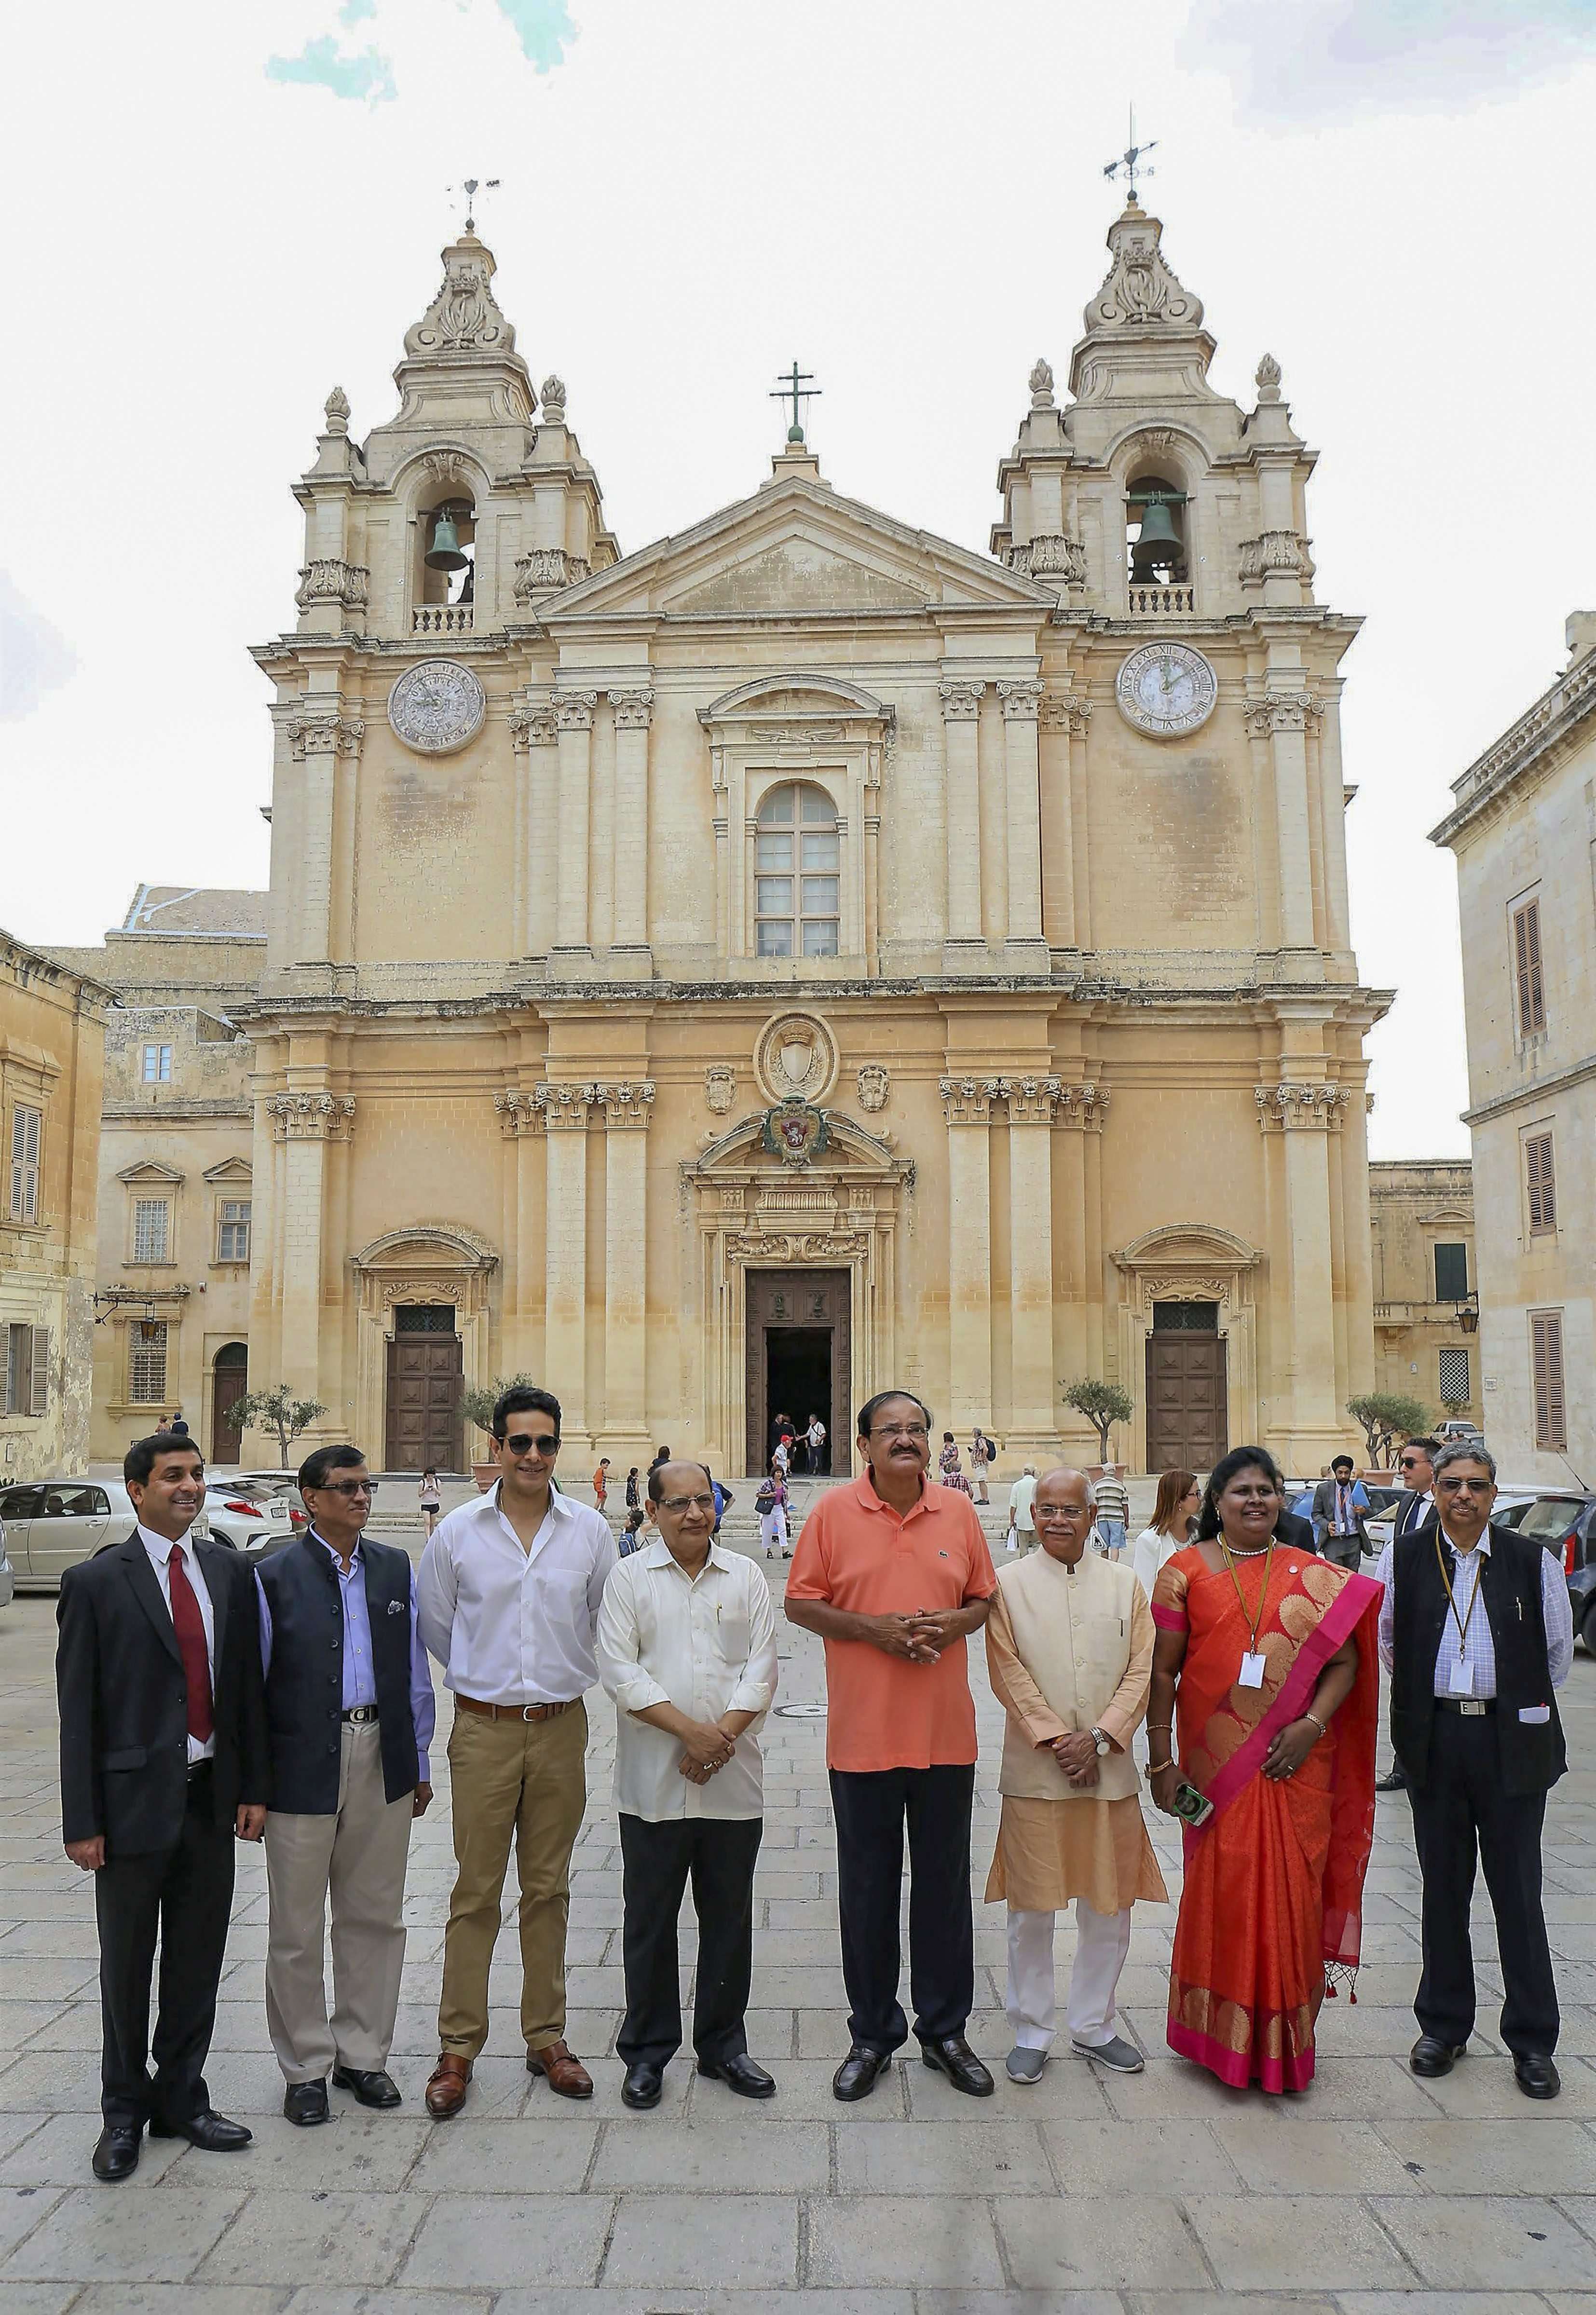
564 1107
1065 710
532 727
634 710
573 710
1282 711
328 581
311 1116
1032 1100
968 1101
1021 702
544 570
961 701
1294 1106
1083 1106
326 735
1272 551
625 1105
518 1113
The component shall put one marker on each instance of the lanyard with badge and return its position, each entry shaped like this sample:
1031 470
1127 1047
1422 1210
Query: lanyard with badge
1253 1667
1460 1682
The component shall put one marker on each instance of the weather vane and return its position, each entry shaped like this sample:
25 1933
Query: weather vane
1129 161
471 187
794 390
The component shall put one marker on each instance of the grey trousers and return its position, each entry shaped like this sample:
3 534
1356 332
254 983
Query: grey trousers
358 1857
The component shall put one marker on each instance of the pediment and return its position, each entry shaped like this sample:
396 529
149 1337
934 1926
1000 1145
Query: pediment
795 548
231 1169
150 1169
1183 1245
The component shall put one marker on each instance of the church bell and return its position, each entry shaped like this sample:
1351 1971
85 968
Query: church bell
444 553
1159 545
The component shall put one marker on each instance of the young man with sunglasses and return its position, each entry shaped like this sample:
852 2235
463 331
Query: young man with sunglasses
509 1594
350 1714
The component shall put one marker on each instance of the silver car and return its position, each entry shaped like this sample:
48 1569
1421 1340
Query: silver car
7 1574
51 1525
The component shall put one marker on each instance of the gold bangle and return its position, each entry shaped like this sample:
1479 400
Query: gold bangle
1321 1726
1156 1767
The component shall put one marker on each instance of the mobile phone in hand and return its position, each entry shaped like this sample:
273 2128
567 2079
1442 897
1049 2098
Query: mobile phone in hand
1191 1808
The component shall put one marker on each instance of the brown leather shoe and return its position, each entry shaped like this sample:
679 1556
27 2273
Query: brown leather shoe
566 2075
445 2090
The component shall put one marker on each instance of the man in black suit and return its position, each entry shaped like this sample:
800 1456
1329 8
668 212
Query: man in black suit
1340 1508
1414 1509
164 1760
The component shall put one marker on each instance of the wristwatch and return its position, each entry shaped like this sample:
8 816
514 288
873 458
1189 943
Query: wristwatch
1102 1742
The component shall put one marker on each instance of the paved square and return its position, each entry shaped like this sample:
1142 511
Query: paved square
1158 2195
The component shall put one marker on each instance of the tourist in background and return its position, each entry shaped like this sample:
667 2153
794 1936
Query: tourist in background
1113 1512
770 1504
632 1533
634 1494
815 1437
431 1498
1021 1496
1269 1657
1340 1507
981 1453
1173 1526
950 1468
601 1483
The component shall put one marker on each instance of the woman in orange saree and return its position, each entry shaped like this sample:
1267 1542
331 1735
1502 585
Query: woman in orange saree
1266 1660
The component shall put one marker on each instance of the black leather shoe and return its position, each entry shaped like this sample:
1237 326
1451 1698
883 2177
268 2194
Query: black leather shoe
1537 2077
213 2134
955 2058
1393 1782
116 2152
855 2077
642 2085
1430 2057
306 2103
741 2074
373 2088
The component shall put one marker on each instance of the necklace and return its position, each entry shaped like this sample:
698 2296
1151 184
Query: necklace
1234 1551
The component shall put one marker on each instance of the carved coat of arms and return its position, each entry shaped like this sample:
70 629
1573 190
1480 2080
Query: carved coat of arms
795 1132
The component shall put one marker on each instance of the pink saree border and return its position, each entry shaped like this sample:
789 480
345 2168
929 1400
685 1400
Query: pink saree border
1340 1620
1240 2069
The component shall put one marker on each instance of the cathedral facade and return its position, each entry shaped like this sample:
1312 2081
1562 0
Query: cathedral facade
806 953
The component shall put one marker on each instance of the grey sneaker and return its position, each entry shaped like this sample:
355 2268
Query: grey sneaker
1024 2065
1119 2056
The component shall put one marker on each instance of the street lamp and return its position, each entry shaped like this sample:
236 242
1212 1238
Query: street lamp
1468 1314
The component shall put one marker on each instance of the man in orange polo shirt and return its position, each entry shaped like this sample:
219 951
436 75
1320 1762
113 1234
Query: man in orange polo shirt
893 1573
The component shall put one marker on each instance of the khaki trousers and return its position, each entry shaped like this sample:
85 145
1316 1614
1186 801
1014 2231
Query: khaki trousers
524 1779
358 1856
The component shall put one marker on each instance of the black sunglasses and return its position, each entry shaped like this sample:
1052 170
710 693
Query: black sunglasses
521 1442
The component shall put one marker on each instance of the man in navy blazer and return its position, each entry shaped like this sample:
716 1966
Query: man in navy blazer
163 1762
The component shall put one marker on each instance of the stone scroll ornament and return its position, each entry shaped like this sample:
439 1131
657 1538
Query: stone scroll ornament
795 1131
437 707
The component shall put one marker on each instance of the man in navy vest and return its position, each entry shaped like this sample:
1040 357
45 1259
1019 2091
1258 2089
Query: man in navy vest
350 1714
1477 1633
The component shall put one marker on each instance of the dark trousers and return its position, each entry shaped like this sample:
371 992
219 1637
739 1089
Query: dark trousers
1342 1550
718 1855
871 1807
1459 1808
186 1894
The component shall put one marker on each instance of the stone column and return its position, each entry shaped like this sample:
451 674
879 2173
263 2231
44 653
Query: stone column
565 1255
634 713
520 1122
960 716
307 1123
1033 1386
1281 719
967 1106
1307 1422
625 1267
1057 817
532 737
321 930
573 718
1023 812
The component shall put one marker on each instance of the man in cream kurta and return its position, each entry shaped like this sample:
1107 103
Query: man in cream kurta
1069 1648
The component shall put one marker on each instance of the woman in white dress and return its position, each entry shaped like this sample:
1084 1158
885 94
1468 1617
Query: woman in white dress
1174 1514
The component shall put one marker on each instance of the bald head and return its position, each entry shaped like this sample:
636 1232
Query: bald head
1063 1513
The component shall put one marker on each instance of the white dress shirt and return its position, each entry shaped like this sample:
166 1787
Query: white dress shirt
509 1626
706 1644
159 1548
1479 1649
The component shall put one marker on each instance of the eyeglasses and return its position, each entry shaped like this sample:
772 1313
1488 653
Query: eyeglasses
899 1430
1450 1486
1410 1462
346 1488
679 1503
521 1442
1047 1511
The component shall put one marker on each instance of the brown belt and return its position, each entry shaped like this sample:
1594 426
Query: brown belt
512 1711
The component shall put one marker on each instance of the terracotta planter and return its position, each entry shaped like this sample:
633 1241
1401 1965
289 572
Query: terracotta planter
485 1473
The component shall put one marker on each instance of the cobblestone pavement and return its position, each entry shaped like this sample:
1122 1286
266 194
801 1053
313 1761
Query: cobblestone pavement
1160 2194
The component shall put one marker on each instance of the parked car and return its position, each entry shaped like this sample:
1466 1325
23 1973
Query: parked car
53 1523
1510 1506
7 1572
1456 1433
249 1515
1564 1520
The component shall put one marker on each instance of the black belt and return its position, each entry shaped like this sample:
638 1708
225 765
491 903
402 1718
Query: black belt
360 1715
1470 1706
198 1769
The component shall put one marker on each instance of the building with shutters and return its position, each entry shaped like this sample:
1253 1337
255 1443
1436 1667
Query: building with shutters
1522 827
1422 1224
804 953
51 1055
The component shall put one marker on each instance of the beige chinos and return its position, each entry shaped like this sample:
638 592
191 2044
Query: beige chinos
358 1856
523 1780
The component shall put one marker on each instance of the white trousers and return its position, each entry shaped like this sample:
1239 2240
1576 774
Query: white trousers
773 1529
1102 1941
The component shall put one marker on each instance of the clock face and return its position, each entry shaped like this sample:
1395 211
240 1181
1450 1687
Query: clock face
1167 689
436 707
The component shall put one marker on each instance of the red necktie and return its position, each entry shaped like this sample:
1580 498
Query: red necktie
190 1627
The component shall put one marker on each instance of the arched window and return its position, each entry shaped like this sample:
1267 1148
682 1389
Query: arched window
447 542
796 910
1156 530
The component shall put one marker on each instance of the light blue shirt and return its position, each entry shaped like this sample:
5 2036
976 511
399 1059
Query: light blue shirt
359 1673
1479 1649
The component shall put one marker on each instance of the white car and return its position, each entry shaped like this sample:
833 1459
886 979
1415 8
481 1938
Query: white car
249 1514
53 1523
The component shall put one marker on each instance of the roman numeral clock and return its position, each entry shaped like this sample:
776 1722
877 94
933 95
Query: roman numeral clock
1165 689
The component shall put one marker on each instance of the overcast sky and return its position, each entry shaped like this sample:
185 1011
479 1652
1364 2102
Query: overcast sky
216 213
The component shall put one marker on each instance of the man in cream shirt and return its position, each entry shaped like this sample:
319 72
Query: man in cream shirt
686 1649
1069 1648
